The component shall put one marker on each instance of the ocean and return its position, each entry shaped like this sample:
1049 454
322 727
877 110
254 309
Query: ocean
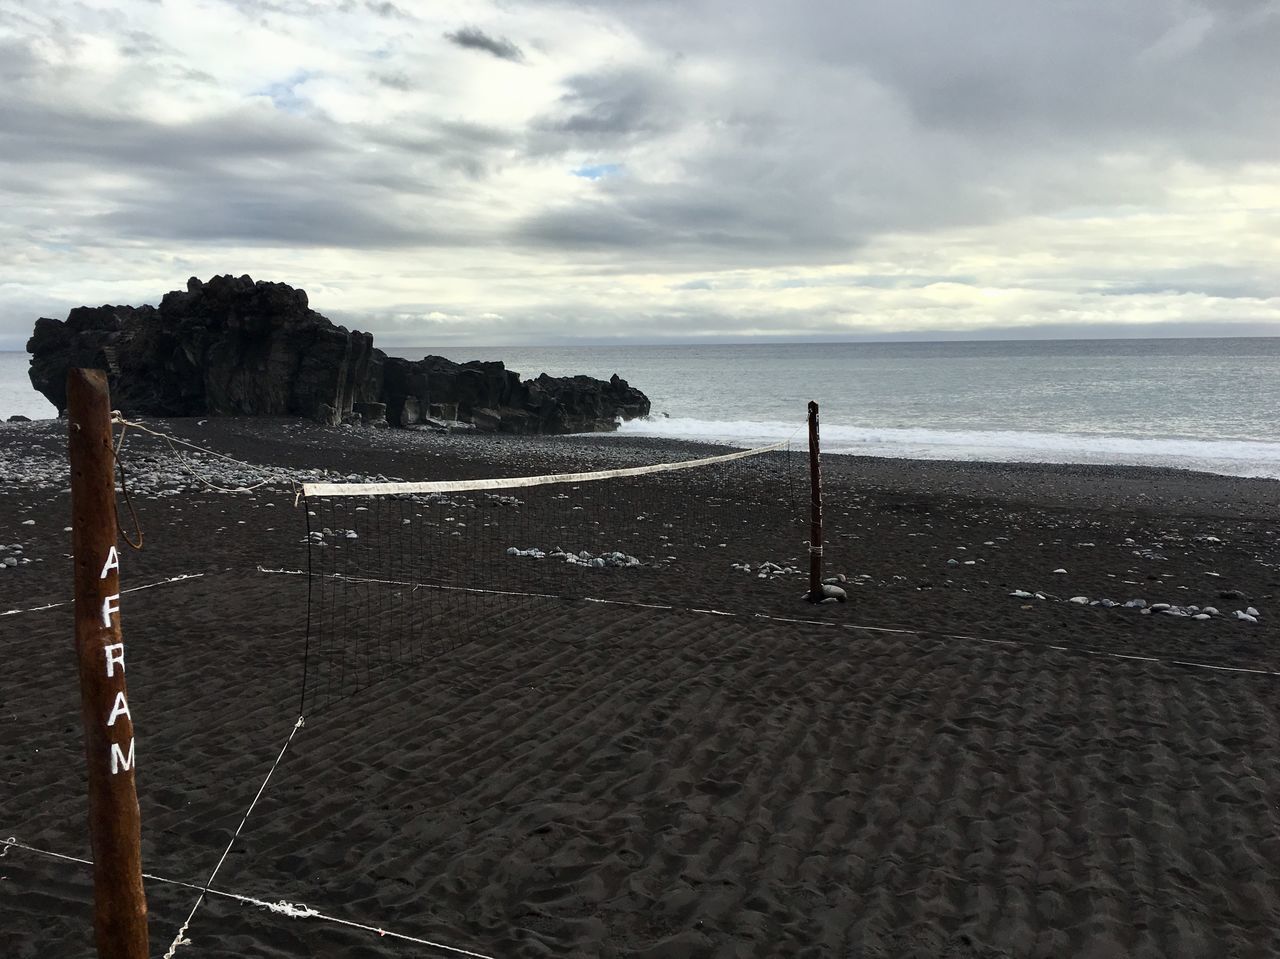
1201 404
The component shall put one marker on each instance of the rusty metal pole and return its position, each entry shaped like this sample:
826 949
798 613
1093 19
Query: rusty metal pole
815 482
119 902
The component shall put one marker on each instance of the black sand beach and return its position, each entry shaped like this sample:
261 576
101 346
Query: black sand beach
982 775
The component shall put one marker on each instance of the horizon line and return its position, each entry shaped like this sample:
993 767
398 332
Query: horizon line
789 339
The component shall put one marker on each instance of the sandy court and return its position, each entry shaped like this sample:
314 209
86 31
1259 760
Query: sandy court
605 781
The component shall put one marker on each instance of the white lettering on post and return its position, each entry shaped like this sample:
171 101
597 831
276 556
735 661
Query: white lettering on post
119 761
113 562
121 707
108 608
115 657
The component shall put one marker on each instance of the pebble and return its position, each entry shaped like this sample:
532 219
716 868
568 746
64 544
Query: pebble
532 553
1079 600
1241 614
829 594
1253 612
1059 571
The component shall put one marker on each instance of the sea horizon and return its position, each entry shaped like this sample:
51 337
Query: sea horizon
1199 403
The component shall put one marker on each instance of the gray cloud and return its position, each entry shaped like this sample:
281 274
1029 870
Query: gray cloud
307 215
397 80
385 8
17 60
856 119
473 38
30 134
739 137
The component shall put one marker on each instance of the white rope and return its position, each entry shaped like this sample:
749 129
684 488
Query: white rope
126 425
179 939
131 589
415 585
281 907
514 482
856 627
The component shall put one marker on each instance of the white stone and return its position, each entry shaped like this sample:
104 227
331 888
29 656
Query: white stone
1079 600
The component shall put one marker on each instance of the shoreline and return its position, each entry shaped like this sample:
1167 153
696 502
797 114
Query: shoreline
701 447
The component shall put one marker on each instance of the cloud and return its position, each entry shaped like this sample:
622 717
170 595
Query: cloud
834 167
472 38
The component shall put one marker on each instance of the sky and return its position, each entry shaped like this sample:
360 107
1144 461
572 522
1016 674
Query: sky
612 170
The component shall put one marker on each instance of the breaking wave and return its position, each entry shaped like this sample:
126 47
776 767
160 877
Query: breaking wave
1252 458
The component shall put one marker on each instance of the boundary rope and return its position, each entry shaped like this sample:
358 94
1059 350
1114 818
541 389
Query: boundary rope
514 482
179 939
131 589
282 907
923 633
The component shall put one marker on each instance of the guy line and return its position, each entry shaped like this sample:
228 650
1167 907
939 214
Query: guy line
1083 650
282 907
131 589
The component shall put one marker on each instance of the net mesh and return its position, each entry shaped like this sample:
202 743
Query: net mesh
404 573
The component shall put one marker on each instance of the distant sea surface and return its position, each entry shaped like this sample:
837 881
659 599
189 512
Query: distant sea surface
17 397
1202 404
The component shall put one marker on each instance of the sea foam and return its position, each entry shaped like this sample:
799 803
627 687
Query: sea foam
1226 457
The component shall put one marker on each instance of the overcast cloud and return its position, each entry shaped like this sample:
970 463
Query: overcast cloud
525 172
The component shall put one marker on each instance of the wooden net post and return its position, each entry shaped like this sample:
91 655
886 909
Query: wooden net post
119 901
815 534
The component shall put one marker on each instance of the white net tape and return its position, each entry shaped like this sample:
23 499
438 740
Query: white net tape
466 486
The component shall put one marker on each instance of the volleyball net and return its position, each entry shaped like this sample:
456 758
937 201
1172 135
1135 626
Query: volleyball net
404 572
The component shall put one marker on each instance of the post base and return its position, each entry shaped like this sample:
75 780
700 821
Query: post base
826 593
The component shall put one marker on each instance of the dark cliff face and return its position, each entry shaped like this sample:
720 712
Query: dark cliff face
233 346
491 397
227 347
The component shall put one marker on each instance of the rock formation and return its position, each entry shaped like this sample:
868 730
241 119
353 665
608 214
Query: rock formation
491 397
233 346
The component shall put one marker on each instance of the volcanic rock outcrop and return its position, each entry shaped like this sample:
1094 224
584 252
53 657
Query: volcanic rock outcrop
233 346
